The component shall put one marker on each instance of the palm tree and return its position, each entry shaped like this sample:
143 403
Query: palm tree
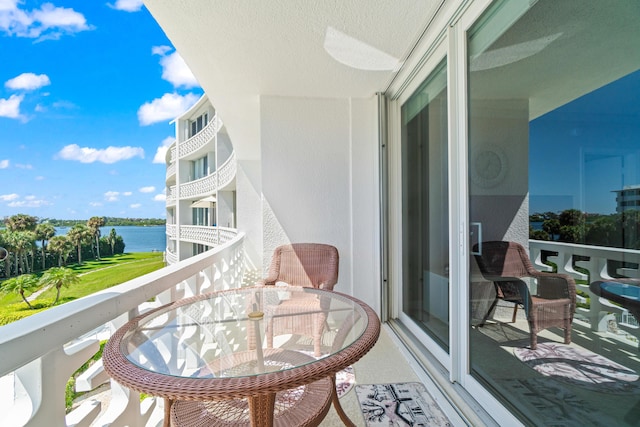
44 232
59 277
94 224
79 234
20 285
62 246
112 238
23 243
5 240
21 222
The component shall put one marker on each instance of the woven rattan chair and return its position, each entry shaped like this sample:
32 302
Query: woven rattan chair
553 305
307 265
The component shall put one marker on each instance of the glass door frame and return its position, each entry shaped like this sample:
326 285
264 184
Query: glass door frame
448 40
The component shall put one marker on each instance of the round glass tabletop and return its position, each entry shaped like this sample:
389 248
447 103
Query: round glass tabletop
243 332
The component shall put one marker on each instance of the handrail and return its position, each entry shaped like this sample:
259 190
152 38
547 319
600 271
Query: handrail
43 350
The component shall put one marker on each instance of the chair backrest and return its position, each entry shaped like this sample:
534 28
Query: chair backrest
305 264
504 259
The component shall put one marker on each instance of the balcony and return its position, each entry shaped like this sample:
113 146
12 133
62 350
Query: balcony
199 140
66 336
205 235
41 352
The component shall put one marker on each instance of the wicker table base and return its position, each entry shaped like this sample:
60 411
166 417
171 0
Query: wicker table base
301 407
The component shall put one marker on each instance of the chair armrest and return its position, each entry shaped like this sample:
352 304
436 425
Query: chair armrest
555 285
327 286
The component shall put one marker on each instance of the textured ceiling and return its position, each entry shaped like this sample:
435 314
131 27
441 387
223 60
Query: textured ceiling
241 50
293 48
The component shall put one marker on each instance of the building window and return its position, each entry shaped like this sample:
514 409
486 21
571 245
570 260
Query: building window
200 168
198 124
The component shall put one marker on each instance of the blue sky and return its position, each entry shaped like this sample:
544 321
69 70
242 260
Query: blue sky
87 91
583 151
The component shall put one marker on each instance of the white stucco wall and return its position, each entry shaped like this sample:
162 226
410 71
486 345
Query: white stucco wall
320 183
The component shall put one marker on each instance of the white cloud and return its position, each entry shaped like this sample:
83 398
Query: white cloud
149 189
21 166
176 71
111 196
106 155
161 152
128 5
160 197
135 205
10 108
39 178
4 164
8 197
48 22
28 81
161 50
95 204
170 106
127 193
28 203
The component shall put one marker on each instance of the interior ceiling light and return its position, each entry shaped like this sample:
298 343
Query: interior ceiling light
510 54
357 54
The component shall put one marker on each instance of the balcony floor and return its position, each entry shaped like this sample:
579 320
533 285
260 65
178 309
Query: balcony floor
592 382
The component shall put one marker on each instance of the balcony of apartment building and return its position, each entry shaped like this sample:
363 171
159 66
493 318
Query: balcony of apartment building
596 380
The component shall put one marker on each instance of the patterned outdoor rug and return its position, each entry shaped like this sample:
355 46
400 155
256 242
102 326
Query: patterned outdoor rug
579 367
548 403
399 405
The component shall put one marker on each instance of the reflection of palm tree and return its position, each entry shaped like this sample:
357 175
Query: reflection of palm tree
20 285
94 224
44 232
59 277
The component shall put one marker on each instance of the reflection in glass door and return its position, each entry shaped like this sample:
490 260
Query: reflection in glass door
425 291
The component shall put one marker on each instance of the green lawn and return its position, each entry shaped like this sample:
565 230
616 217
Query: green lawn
94 276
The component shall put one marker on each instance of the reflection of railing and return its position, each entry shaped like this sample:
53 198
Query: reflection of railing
41 352
594 259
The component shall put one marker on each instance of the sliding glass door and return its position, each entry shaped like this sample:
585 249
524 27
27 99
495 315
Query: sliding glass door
425 288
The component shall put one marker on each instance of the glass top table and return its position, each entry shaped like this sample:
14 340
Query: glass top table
623 291
241 343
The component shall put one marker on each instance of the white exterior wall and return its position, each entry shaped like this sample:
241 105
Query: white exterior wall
320 183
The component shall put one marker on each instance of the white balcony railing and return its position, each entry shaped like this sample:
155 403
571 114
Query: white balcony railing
597 266
209 184
171 170
206 235
38 354
171 231
199 140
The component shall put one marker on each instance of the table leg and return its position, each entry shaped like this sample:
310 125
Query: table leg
337 406
167 412
261 409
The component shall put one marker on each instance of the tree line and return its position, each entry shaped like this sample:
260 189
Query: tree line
619 230
32 244
108 221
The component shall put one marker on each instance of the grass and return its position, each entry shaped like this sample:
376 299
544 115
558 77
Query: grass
94 276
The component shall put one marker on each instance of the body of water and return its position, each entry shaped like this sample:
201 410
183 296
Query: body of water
136 238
